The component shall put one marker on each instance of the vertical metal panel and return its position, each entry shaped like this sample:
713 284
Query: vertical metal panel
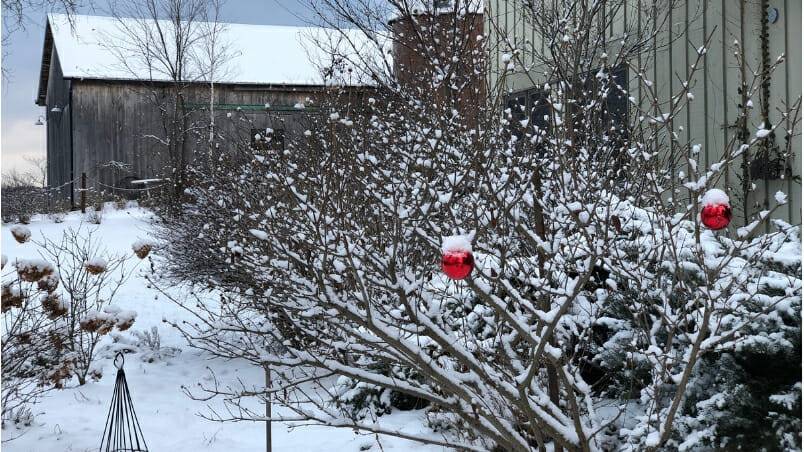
791 17
778 97
709 118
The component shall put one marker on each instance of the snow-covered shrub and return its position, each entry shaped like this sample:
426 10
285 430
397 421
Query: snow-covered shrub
32 332
597 295
57 217
88 281
742 385
24 195
55 311
142 248
360 400
752 344
21 233
150 348
21 203
94 216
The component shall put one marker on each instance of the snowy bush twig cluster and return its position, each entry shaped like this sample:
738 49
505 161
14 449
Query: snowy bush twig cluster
600 306
55 312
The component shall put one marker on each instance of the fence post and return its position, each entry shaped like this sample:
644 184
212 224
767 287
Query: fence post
83 192
268 409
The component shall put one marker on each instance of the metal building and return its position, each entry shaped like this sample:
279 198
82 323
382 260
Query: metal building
763 29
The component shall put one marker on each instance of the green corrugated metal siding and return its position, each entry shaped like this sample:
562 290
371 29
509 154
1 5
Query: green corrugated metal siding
715 108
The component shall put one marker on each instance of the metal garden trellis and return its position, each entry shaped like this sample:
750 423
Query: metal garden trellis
122 432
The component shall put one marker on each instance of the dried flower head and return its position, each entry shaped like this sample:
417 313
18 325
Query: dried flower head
95 374
24 338
142 248
57 376
98 322
125 324
12 297
48 283
32 270
21 233
95 266
54 306
56 340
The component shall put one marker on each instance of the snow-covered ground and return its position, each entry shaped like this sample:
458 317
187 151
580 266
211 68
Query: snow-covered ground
73 419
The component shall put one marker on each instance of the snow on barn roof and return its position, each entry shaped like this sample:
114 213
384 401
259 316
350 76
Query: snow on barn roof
97 47
438 7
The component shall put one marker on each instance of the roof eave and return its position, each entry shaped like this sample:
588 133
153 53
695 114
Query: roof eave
44 68
280 86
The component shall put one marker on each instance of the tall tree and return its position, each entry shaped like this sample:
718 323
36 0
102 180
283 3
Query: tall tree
174 47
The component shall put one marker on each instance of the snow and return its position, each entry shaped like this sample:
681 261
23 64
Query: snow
780 197
715 196
653 439
423 7
93 47
97 262
73 419
140 243
144 181
457 243
34 264
762 133
262 235
20 232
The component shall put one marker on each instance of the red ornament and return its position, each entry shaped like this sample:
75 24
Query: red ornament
716 216
457 264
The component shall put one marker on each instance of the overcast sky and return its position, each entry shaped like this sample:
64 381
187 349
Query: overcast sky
21 59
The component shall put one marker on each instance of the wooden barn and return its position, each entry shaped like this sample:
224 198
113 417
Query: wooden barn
102 121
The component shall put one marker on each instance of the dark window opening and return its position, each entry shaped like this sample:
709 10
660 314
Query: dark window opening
268 139
611 119
519 112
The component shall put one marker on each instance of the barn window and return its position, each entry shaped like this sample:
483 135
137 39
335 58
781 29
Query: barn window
268 139
518 107
612 118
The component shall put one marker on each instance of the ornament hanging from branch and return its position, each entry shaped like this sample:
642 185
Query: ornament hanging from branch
716 210
457 260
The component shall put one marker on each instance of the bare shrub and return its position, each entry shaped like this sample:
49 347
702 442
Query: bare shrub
55 312
30 345
89 280
25 194
595 282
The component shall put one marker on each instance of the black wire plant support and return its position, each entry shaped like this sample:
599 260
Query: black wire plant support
122 432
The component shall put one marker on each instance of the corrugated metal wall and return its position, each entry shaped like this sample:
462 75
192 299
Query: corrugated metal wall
711 117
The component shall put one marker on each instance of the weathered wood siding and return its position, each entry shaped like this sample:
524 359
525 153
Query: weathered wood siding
59 161
116 126
710 117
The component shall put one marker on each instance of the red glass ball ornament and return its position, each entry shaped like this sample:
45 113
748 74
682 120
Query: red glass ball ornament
716 216
457 264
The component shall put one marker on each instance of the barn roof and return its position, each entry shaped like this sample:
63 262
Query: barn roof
104 48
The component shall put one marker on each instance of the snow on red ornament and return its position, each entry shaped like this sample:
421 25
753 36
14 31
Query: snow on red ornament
716 211
457 260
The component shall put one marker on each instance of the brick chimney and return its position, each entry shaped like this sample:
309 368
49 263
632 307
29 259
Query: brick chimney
425 41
